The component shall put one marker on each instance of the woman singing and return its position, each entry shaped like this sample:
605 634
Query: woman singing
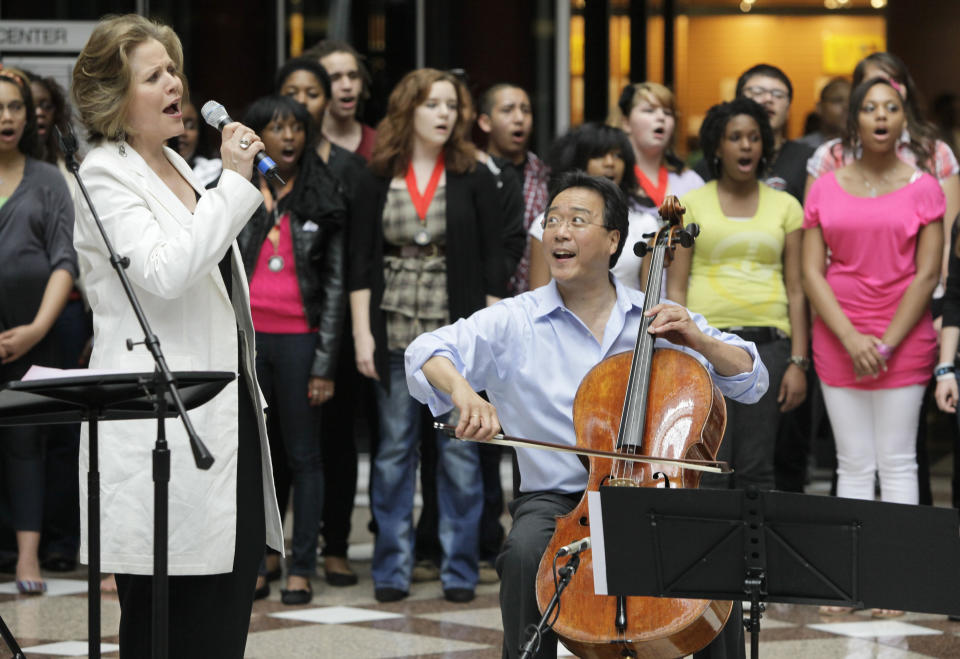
128 89
874 345
424 251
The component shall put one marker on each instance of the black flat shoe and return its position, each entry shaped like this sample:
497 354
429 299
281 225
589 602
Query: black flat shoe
296 597
341 579
458 595
389 594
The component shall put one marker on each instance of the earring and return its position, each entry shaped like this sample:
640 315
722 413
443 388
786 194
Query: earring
905 134
716 164
761 166
120 137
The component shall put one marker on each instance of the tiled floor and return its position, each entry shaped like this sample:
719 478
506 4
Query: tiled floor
348 622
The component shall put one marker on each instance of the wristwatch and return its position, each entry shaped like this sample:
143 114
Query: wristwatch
802 362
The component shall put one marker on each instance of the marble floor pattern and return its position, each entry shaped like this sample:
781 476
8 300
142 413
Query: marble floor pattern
348 622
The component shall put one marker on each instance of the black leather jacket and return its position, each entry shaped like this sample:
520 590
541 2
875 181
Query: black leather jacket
318 210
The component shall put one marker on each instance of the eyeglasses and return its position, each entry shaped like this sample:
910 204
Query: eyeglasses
549 223
759 92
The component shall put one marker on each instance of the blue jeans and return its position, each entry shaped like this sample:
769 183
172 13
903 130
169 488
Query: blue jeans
459 492
283 369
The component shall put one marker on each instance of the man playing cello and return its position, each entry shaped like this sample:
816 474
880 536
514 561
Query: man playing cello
530 353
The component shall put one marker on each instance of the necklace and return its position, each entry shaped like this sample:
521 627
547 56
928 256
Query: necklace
275 263
871 188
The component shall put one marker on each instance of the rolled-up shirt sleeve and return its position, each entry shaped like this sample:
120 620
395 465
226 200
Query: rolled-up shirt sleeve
747 387
478 347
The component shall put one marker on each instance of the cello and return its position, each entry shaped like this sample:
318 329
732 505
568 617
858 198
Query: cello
659 403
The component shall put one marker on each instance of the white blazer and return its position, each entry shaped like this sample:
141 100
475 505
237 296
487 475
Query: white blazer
173 269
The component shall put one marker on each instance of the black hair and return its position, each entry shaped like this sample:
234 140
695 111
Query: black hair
303 64
50 147
715 125
832 84
595 140
615 210
485 104
922 133
921 149
768 70
267 108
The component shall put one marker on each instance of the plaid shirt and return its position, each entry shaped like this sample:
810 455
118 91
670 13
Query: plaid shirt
831 155
535 176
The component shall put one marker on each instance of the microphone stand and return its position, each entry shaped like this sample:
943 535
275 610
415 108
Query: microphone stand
566 573
164 385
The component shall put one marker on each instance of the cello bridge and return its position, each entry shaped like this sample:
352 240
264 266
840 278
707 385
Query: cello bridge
622 482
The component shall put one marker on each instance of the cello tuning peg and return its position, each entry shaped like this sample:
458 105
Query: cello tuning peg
693 229
648 235
641 248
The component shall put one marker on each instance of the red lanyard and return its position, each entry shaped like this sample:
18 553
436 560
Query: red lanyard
422 202
657 194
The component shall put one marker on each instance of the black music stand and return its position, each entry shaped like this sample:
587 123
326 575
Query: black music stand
776 547
113 397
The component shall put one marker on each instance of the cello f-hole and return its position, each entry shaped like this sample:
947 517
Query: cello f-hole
658 475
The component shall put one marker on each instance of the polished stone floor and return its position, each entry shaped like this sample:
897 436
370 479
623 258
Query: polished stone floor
348 622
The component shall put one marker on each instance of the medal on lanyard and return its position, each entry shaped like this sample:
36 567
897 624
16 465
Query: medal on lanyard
421 203
275 263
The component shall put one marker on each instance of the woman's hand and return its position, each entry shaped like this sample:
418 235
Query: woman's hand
319 390
17 341
862 349
946 394
793 388
478 418
234 154
363 346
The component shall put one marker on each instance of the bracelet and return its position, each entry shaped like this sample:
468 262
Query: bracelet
944 369
802 362
885 351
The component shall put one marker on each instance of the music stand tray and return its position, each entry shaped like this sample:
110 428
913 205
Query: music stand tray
776 547
101 397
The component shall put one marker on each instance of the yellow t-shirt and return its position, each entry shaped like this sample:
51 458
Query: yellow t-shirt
736 275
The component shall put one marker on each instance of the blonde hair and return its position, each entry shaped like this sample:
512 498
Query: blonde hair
101 75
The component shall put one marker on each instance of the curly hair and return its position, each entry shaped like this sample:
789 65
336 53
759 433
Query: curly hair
394 142
50 147
923 134
715 125
102 76
29 144
594 140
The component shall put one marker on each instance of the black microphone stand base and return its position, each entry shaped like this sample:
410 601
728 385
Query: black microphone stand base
533 643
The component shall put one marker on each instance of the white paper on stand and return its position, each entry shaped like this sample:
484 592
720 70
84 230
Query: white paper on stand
596 543
47 373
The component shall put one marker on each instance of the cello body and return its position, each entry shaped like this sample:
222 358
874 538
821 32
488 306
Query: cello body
685 418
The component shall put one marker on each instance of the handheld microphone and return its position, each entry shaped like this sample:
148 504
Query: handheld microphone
216 115
574 547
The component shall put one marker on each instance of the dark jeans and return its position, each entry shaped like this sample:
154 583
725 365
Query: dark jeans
283 369
751 434
61 509
209 614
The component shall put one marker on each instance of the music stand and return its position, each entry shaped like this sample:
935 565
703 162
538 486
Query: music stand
776 547
113 397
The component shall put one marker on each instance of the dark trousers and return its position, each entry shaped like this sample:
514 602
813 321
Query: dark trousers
751 435
209 614
534 522
283 370
21 453
61 509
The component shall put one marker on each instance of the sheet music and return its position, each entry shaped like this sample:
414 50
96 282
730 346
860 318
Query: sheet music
48 373
596 543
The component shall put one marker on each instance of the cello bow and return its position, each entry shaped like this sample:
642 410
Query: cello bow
710 466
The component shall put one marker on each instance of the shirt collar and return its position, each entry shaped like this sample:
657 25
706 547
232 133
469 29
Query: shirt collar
549 300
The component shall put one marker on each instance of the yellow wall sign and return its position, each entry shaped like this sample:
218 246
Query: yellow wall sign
841 52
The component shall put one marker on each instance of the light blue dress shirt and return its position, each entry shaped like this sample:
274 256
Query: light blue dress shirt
529 353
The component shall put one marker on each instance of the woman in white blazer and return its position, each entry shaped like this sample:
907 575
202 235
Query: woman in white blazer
186 270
